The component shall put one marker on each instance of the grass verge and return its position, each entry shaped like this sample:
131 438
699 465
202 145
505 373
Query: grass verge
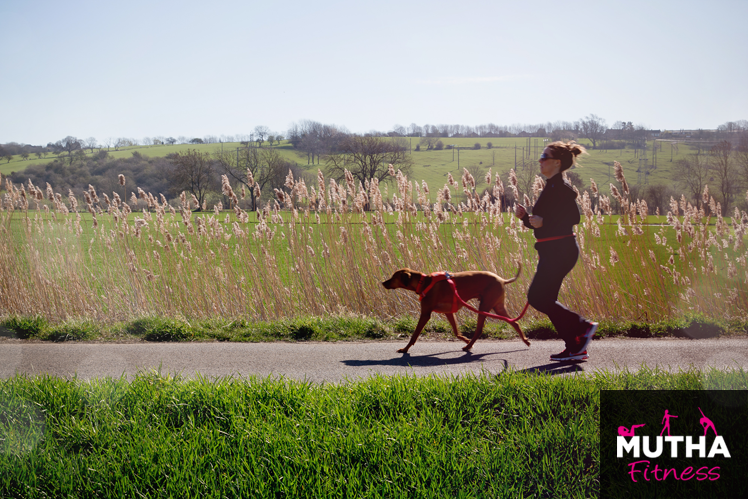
339 328
512 434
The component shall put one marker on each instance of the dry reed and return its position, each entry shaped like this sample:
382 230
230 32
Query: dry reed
325 250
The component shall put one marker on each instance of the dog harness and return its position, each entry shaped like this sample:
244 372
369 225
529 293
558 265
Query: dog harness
438 277
458 302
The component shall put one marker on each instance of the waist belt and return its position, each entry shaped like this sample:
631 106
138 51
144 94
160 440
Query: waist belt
554 238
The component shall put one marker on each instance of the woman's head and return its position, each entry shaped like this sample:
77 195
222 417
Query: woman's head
565 152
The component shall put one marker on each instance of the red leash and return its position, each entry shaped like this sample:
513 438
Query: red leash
493 316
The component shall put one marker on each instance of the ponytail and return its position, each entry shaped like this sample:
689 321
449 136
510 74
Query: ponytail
567 152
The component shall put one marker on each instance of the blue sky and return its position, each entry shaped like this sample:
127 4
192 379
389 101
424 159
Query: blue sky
185 68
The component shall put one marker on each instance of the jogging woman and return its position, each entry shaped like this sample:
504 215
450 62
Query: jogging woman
553 217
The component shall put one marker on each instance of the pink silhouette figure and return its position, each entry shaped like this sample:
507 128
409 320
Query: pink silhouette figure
707 423
624 432
666 420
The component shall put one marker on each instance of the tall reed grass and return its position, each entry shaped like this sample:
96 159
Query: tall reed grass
324 249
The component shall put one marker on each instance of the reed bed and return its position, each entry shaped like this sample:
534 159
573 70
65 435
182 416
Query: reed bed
323 250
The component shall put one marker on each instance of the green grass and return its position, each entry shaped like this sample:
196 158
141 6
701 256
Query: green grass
511 434
341 328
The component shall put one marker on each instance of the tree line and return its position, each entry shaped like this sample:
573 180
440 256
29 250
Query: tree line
316 138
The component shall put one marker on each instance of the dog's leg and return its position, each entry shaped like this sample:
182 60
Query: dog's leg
453 323
501 310
519 331
478 331
425 316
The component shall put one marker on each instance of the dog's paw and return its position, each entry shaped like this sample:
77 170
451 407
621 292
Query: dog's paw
526 342
467 348
402 350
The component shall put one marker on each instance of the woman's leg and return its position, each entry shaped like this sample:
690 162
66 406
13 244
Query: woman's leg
556 259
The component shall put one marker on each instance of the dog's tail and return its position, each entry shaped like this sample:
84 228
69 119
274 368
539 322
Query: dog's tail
519 271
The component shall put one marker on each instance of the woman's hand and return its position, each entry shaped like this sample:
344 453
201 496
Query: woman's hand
520 211
536 221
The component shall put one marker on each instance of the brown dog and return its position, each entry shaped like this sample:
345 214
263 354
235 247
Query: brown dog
486 286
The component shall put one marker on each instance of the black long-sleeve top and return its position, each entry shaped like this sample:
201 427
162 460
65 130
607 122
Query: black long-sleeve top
558 207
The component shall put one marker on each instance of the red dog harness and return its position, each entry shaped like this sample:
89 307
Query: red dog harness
458 302
438 277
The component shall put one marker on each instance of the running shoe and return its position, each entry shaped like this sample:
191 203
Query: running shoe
584 340
567 355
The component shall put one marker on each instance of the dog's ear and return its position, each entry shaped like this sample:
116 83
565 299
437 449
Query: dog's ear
405 277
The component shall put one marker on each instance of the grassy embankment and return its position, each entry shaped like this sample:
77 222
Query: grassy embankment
511 434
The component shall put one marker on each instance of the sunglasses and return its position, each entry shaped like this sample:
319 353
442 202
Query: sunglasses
545 156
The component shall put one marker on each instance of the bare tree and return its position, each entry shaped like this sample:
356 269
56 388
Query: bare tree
194 172
592 127
741 158
658 197
399 131
90 143
316 139
69 144
526 175
429 141
368 158
478 173
725 172
692 173
261 132
267 168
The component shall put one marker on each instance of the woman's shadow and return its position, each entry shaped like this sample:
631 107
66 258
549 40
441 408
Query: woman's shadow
435 360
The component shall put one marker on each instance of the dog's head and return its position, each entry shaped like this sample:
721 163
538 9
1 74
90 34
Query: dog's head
401 279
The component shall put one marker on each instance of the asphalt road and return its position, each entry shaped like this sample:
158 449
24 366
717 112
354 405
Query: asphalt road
336 362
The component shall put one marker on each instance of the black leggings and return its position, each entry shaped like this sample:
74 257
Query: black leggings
556 259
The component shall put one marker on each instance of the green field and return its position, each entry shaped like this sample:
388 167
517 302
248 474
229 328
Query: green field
509 434
433 166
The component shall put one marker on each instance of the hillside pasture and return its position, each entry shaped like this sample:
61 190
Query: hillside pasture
433 166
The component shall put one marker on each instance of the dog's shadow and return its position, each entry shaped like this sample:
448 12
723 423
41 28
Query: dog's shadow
428 360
